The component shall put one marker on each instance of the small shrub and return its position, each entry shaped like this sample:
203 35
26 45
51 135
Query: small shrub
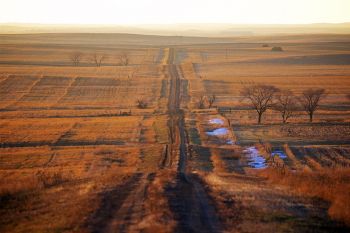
265 45
47 180
201 102
142 104
277 49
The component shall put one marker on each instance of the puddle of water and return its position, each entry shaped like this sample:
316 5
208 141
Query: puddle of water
230 142
255 160
279 153
218 132
216 121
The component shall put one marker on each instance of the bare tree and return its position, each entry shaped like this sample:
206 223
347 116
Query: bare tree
201 102
211 100
285 104
98 59
124 59
310 100
348 96
76 58
260 96
142 104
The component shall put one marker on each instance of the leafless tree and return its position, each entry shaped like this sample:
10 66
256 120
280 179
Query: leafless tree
141 103
76 58
98 59
124 59
310 100
201 102
286 104
211 100
260 96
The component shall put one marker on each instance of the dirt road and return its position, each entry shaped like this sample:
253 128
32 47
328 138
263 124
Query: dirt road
123 208
188 199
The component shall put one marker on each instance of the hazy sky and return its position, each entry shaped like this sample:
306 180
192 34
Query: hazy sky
175 11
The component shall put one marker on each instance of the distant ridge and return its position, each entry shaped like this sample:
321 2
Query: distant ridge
207 30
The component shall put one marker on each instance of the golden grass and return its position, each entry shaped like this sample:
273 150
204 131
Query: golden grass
52 54
329 184
81 107
34 185
158 218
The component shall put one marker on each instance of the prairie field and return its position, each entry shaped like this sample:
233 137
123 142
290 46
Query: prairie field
132 133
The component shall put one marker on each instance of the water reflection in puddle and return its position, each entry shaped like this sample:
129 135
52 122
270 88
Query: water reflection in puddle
218 132
217 121
255 159
230 142
279 153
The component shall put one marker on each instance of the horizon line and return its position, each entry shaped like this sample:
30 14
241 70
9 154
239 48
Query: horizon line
161 24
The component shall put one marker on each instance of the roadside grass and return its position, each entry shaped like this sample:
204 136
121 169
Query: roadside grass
332 185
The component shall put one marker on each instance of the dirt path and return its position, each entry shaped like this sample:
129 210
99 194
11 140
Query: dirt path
188 199
115 206
123 208
131 211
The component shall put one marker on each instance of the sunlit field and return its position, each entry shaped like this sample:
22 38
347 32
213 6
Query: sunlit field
131 133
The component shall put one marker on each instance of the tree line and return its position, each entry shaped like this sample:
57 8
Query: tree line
264 97
98 58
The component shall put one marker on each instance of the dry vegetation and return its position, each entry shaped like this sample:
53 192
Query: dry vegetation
329 184
72 135
85 136
296 112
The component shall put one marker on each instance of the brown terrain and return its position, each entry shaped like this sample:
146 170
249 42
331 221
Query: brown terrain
116 133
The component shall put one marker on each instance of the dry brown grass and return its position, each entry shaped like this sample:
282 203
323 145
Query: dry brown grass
332 185
38 181
71 113
158 218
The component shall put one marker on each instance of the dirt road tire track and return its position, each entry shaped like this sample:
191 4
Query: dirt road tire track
122 208
187 198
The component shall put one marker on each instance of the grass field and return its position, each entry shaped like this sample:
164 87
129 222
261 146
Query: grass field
79 154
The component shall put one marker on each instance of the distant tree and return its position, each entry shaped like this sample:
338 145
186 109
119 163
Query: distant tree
265 45
124 59
211 100
98 59
76 58
277 49
201 102
286 104
260 96
142 104
310 100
